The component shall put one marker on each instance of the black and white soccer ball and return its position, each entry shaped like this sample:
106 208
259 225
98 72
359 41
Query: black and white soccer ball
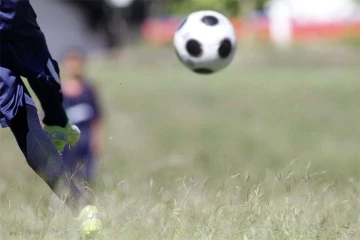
205 42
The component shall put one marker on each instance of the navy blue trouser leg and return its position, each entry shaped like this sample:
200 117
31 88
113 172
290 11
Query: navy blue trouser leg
43 157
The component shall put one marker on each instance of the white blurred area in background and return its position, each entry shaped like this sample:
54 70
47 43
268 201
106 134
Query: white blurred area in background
284 13
120 3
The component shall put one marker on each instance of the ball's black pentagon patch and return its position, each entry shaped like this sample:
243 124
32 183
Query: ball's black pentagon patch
194 48
203 71
225 48
182 23
210 20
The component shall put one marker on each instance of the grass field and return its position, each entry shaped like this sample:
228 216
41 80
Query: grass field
268 149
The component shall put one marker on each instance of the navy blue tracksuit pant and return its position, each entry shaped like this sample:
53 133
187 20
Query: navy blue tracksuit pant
24 53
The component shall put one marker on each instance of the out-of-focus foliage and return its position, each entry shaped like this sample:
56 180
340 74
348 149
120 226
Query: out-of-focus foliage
228 7
260 4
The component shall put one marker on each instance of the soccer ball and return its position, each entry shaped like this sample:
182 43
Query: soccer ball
205 42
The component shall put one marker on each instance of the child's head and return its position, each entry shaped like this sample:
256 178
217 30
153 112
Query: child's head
74 62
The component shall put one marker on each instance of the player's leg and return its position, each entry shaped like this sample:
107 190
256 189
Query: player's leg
46 86
19 112
21 116
27 53
43 158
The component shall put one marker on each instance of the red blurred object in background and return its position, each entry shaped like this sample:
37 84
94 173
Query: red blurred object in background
161 31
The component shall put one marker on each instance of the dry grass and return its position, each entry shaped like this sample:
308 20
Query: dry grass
268 149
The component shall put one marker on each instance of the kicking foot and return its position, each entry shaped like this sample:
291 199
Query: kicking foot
90 221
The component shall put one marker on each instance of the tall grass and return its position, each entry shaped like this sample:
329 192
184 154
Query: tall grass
268 149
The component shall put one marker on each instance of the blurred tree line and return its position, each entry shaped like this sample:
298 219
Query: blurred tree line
231 8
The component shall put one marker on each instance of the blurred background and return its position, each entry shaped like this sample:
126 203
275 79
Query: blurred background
267 149
111 24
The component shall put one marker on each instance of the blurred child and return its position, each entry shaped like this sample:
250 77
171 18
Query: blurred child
82 107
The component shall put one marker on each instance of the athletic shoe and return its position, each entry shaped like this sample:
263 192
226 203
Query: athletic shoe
90 222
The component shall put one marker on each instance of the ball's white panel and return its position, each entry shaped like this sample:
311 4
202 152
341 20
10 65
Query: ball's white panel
209 34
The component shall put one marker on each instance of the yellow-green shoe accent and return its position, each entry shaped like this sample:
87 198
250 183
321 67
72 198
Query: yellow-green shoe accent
90 222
